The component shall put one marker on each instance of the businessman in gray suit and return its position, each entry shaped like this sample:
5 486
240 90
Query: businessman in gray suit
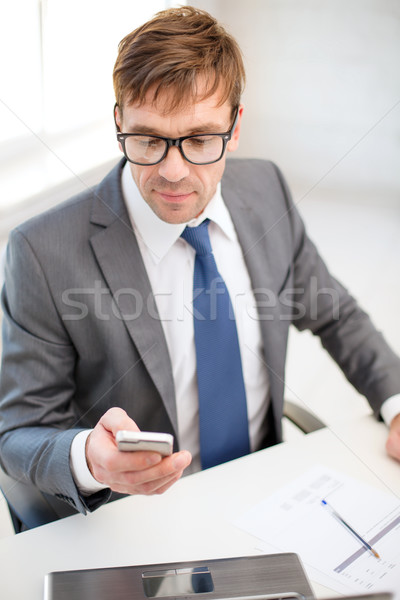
99 329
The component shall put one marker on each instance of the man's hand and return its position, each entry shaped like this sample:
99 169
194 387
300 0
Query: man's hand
130 472
393 441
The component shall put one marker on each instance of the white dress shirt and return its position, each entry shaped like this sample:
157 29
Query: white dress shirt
169 262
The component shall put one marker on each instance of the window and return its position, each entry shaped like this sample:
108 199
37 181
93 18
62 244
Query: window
56 93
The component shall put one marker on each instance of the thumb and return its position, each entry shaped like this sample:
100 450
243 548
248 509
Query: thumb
115 419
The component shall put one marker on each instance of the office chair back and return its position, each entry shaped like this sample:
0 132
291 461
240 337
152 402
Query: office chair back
28 507
306 421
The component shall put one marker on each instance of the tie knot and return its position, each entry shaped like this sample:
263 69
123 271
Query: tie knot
198 238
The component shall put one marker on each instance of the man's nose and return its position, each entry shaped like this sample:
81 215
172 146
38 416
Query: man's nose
174 167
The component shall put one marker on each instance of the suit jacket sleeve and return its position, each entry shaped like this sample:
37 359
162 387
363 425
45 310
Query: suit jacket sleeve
37 418
325 307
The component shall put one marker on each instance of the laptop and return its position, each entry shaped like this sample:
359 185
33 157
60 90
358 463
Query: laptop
260 577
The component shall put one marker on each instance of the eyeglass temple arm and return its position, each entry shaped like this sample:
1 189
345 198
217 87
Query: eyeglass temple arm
235 122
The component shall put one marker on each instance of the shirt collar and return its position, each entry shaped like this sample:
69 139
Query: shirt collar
158 235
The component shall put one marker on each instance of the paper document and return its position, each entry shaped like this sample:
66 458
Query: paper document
293 519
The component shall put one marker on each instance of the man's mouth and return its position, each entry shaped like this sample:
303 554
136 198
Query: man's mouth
174 196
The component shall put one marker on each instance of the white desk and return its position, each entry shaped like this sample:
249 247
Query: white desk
192 520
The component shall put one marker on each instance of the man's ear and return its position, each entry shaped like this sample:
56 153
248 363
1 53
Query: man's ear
117 117
118 121
234 141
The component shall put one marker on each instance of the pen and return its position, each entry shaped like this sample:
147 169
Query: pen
350 529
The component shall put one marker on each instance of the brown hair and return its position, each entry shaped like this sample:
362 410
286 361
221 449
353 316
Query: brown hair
170 51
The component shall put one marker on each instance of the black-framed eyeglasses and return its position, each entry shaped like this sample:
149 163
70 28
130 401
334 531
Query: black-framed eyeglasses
199 149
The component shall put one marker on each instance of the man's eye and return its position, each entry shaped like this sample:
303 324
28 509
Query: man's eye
200 141
148 143
151 142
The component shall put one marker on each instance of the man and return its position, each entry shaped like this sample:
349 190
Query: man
102 328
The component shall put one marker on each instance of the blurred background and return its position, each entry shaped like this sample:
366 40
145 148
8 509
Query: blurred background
322 101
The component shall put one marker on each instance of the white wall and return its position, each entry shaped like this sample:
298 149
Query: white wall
323 92
322 75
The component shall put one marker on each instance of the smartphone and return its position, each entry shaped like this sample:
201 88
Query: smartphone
131 441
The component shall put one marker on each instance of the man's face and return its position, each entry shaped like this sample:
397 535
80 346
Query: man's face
176 190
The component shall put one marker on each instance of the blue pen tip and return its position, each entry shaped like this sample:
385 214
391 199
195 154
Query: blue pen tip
323 501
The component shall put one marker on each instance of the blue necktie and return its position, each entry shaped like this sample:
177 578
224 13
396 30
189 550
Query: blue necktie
224 433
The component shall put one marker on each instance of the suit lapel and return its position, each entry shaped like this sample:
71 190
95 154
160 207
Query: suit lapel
118 255
259 242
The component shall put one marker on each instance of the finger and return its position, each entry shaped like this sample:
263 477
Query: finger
393 441
118 462
169 466
166 487
166 467
393 446
115 419
157 486
149 480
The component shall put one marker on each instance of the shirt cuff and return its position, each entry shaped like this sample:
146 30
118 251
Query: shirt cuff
390 409
84 480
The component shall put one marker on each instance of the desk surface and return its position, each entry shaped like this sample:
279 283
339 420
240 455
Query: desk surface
192 521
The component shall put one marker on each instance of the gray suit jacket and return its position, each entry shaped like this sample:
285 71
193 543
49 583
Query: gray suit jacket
81 332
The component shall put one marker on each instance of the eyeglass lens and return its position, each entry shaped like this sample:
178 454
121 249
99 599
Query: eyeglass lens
149 150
